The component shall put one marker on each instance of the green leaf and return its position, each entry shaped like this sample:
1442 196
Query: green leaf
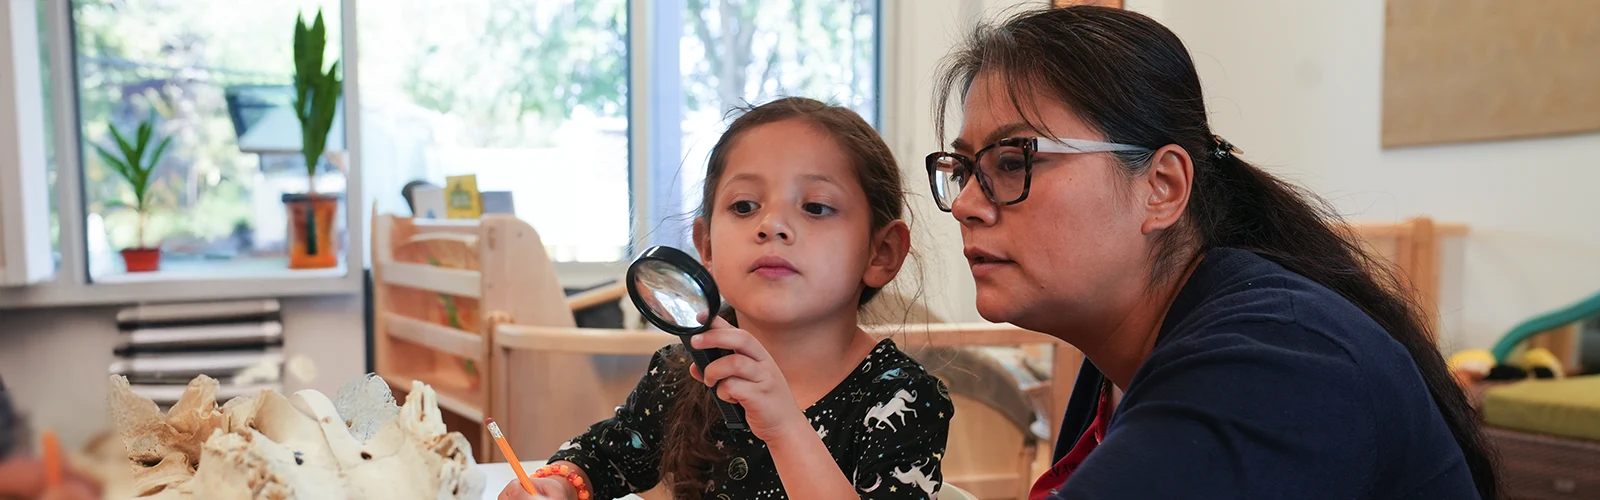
116 165
146 128
122 144
160 150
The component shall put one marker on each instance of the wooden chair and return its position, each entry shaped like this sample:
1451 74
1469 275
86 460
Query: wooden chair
439 287
1413 248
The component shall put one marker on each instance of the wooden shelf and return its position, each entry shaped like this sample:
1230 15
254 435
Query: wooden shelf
437 337
457 282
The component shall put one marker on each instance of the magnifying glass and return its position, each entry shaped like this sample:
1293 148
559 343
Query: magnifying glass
676 294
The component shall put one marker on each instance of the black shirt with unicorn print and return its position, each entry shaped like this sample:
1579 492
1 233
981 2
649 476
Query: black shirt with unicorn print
886 426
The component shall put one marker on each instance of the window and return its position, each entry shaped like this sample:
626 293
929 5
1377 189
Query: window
49 130
534 97
737 53
534 100
215 77
531 96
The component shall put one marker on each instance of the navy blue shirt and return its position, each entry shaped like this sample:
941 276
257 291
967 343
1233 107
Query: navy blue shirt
1263 384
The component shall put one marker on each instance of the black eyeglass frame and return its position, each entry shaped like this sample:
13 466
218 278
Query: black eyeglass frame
1029 146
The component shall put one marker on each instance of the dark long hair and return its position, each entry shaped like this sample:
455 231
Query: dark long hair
688 454
1133 80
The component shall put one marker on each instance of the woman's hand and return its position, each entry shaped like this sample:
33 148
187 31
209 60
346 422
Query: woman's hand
749 378
552 488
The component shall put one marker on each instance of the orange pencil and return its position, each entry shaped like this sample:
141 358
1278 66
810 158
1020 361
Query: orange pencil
522 475
52 459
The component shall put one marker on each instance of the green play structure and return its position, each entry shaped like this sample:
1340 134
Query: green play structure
1582 310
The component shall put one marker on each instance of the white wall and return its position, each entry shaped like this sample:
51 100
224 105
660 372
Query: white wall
1297 85
54 361
917 35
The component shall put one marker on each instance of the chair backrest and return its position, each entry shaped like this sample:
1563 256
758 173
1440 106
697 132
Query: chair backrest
1413 250
439 286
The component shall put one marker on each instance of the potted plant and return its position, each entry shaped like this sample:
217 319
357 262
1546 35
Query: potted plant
132 167
316 99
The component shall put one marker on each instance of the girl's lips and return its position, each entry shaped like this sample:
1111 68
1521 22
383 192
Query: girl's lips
773 267
773 273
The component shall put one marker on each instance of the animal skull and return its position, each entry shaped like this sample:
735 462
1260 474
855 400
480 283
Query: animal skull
296 447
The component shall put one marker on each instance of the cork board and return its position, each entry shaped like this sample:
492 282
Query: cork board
1478 70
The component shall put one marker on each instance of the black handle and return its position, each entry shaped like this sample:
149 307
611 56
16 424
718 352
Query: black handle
732 414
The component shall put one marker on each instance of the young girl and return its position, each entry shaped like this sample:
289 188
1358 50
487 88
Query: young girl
800 226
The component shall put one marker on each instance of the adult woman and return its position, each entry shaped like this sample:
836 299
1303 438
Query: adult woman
1259 352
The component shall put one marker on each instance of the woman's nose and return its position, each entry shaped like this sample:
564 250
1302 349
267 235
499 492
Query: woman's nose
972 208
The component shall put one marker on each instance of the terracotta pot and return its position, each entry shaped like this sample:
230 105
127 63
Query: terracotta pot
311 243
140 260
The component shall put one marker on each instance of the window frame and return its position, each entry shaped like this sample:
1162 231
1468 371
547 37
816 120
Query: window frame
72 286
25 253
654 135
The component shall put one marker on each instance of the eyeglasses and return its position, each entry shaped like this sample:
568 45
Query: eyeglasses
1004 169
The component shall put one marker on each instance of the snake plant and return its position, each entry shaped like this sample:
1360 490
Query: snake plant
132 167
316 100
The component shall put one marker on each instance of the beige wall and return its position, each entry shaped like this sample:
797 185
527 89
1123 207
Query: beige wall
1297 85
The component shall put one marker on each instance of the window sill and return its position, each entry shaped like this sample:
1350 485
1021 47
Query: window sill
266 269
198 281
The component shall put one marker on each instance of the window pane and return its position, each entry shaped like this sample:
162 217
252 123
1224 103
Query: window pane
736 53
529 95
216 77
43 8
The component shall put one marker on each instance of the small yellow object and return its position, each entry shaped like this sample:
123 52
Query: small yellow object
1540 357
1475 361
461 197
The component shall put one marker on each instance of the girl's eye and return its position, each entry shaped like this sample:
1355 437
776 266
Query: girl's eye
743 207
817 209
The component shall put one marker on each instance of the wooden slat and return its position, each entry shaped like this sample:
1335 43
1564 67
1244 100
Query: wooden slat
402 383
464 226
590 298
581 340
438 337
455 282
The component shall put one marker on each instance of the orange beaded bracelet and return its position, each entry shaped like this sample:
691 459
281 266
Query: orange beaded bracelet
568 473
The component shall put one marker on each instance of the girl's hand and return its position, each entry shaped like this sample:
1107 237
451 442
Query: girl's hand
554 489
748 377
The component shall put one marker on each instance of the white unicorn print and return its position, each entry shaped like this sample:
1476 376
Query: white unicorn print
894 407
916 477
822 432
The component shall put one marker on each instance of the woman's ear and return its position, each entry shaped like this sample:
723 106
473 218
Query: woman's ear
702 240
1169 181
888 253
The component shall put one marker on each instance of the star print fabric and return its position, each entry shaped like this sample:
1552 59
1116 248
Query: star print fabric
885 425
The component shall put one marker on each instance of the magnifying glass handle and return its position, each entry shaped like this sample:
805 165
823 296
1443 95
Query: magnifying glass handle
732 414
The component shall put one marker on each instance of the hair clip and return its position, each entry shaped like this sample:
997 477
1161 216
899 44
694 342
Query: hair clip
1223 148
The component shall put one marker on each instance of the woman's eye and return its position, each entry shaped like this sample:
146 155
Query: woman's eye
817 209
1013 163
742 207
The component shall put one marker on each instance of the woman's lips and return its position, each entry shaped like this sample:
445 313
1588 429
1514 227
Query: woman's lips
984 263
